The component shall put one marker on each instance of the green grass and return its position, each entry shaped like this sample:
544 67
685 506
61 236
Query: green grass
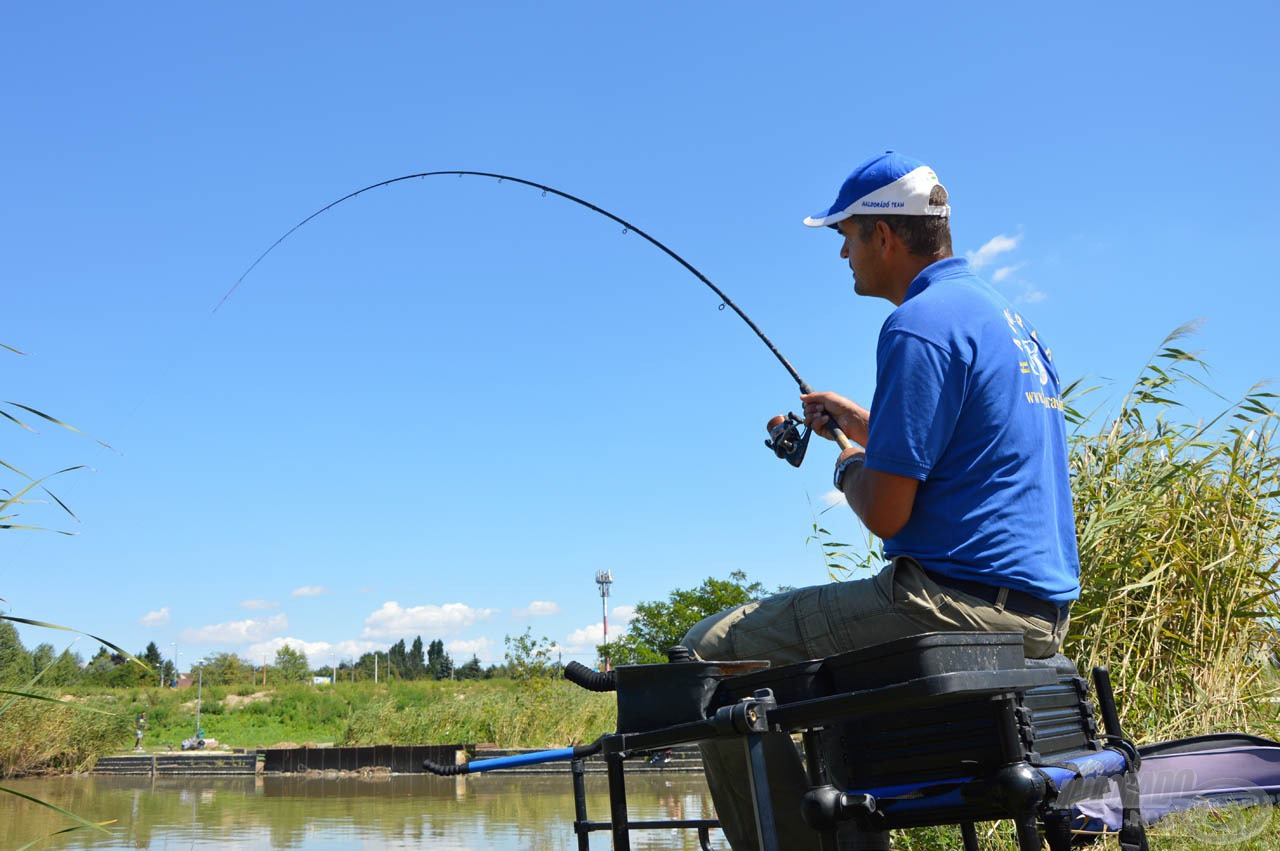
502 712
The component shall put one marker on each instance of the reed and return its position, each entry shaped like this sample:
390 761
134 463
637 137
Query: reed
1179 535
40 736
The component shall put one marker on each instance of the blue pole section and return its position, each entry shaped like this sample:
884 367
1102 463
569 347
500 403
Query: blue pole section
478 765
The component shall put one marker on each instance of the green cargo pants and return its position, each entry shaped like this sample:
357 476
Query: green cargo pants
823 620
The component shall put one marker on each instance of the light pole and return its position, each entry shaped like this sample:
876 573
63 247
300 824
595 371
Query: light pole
199 694
604 579
174 645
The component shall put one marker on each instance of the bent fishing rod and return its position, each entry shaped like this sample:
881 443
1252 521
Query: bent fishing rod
787 438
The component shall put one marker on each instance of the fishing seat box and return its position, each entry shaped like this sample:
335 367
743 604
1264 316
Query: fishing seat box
958 735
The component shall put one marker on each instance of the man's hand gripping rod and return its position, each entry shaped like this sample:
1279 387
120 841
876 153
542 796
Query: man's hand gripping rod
789 438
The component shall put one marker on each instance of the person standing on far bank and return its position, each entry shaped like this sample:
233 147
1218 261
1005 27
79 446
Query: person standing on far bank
960 468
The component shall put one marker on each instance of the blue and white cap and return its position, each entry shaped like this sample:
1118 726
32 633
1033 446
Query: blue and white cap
888 184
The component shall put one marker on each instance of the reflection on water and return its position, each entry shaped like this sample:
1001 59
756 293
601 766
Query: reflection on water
484 813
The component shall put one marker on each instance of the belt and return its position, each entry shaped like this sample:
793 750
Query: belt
1015 601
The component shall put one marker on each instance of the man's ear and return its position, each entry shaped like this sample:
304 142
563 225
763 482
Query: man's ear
885 238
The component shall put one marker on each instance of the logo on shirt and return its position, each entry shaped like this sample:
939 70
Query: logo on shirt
1030 361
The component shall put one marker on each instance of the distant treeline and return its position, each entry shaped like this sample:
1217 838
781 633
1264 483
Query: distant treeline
415 661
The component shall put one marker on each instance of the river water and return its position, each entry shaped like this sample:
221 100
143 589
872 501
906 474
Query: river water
482 813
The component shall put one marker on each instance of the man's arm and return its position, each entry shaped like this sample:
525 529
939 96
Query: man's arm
883 501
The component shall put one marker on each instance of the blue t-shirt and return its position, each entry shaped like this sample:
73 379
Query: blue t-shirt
968 402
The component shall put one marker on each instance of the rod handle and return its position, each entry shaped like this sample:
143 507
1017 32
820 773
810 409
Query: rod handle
832 429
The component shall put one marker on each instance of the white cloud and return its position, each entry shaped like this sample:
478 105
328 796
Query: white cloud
993 248
393 620
1031 296
309 591
538 608
586 639
236 632
1004 272
318 653
258 605
464 648
157 618
831 497
589 637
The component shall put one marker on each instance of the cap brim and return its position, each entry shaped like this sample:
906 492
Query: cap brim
827 221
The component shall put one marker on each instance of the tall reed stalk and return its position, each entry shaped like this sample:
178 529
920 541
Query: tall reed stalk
1179 535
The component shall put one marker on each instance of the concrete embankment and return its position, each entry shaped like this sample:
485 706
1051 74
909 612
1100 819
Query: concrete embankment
212 763
398 759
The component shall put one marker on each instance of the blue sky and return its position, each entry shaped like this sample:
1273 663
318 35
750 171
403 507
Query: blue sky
440 408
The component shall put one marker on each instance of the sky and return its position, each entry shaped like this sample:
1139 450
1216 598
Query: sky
440 408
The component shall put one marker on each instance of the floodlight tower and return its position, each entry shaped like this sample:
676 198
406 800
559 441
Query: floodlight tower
604 579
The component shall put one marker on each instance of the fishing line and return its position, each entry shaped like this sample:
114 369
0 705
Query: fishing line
627 227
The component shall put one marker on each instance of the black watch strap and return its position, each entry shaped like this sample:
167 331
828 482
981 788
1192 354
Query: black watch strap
843 467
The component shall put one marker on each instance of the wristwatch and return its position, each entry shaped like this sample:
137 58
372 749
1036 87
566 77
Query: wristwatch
843 467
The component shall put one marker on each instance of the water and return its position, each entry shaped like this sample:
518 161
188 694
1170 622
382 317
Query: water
482 813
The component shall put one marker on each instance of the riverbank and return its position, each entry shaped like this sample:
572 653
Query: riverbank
543 713
503 713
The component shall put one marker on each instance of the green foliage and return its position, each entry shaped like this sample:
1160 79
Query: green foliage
64 671
114 669
15 662
661 624
529 658
470 670
439 664
227 669
12 501
417 660
151 656
291 665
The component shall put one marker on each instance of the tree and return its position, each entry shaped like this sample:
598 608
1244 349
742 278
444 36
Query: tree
469 670
396 660
15 662
417 660
662 624
110 669
291 665
65 671
527 657
439 665
152 657
227 669
167 675
42 657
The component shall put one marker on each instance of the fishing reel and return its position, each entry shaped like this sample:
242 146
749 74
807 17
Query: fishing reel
788 438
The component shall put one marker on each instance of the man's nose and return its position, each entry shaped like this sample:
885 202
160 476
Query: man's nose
844 251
